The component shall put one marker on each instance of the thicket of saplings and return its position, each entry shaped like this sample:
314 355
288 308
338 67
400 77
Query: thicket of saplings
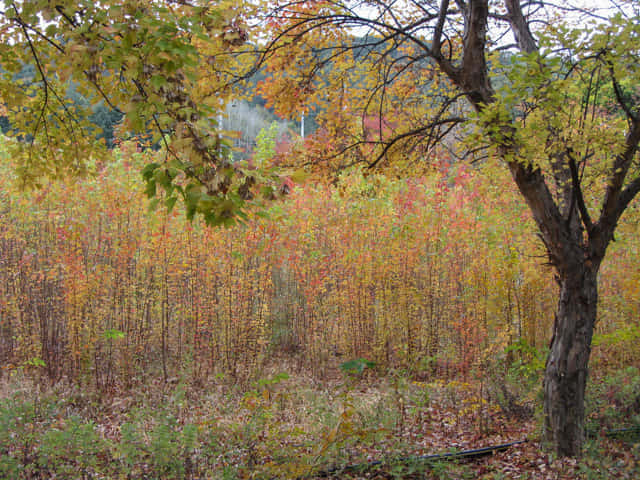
369 318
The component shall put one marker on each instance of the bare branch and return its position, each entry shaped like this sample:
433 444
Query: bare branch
412 133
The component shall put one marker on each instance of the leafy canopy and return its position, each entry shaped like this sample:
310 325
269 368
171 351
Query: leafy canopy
164 65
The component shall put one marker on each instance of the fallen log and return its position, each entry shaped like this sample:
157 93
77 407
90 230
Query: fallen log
465 454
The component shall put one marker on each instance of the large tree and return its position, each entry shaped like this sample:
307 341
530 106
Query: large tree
552 90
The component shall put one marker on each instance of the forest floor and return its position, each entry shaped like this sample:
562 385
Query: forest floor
287 426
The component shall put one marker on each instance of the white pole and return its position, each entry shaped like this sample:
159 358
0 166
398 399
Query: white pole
222 108
302 125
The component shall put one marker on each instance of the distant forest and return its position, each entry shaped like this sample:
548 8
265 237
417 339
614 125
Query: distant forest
245 117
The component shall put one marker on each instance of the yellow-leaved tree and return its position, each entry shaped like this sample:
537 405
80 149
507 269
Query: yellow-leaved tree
164 66
550 89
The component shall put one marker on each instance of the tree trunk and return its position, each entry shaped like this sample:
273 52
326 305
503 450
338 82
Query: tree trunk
567 364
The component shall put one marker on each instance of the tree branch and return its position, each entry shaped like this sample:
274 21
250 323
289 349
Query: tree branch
619 96
577 193
615 199
520 27
412 133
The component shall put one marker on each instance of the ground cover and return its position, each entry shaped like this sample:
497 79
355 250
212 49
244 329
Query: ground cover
292 425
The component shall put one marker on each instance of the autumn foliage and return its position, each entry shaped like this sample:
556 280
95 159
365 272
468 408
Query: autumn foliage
411 274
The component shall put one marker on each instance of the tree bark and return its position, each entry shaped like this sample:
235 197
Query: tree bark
567 364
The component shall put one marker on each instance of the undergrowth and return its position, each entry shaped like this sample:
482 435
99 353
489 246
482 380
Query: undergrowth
290 427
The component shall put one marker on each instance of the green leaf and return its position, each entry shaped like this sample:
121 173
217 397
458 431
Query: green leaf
151 189
357 366
113 334
35 362
148 170
170 203
153 204
158 81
